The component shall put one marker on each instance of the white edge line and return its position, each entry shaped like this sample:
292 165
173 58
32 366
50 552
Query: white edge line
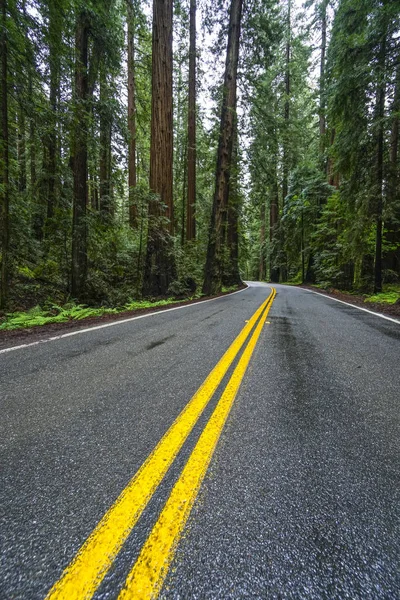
371 312
120 322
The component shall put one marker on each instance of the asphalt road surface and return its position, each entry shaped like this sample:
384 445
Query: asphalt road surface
280 479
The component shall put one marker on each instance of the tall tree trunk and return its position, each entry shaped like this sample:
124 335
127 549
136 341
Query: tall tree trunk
273 229
322 100
160 262
286 141
393 227
21 151
261 268
32 138
380 107
231 275
132 176
80 158
184 194
394 138
214 262
4 158
191 153
105 146
55 32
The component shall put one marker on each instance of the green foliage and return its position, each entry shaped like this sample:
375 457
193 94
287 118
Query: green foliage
390 295
54 314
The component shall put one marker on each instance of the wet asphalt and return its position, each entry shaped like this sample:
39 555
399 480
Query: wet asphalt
302 498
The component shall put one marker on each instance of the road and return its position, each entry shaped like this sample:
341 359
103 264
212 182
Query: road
286 488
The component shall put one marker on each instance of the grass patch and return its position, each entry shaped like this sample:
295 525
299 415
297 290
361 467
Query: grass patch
389 295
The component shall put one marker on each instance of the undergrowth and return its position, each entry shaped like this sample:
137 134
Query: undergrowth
69 312
389 295
54 313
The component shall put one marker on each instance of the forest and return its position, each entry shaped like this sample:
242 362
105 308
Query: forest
167 150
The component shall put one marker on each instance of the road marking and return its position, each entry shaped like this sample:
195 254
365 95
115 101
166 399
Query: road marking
85 573
371 312
96 327
148 573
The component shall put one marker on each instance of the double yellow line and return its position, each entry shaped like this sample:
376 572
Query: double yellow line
85 573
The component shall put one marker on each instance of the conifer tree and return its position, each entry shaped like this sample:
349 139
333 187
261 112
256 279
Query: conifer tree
214 262
160 268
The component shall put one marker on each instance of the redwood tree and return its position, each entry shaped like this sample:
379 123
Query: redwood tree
4 157
160 262
80 156
133 212
191 152
214 262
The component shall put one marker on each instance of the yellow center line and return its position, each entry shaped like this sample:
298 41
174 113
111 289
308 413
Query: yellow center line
148 573
85 573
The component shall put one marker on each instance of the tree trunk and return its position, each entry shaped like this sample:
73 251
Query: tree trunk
394 138
231 274
191 153
380 107
32 139
261 268
286 142
80 158
214 262
105 147
160 262
393 228
4 158
55 32
21 151
132 177
184 195
322 102
273 227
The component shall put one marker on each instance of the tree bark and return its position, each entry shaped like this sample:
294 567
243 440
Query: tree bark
394 138
4 159
80 159
273 226
184 195
261 268
392 258
105 147
191 153
380 107
55 32
231 275
21 151
286 141
160 262
214 262
132 176
32 139
322 102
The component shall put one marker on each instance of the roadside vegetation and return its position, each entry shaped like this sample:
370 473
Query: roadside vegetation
70 312
389 295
